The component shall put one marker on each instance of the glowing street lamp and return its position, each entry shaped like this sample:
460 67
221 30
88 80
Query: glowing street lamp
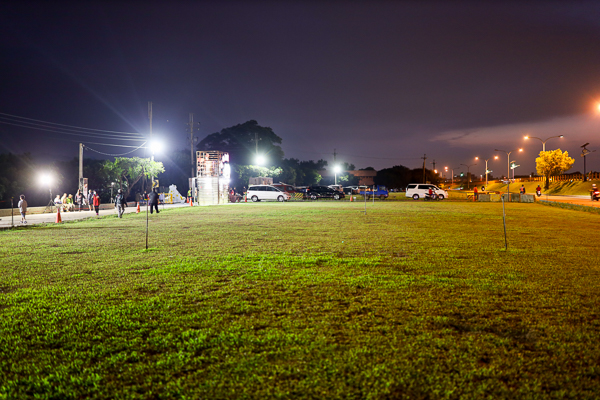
260 160
543 141
507 161
46 179
336 170
486 169
155 146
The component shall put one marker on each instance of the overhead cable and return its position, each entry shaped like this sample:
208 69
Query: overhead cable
114 155
98 136
69 126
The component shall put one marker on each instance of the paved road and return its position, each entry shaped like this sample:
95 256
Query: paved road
580 200
33 219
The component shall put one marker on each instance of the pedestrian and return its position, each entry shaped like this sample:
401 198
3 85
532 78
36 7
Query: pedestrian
90 199
153 199
22 208
483 188
138 197
120 203
64 202
189 195
475 195
96 201
79 199
522 189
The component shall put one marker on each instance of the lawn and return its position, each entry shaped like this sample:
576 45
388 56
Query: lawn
414 300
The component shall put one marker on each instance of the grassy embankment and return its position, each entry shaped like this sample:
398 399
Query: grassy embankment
308 300
556 188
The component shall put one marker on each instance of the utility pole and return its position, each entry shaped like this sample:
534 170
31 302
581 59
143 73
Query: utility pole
424 158
584 153
152 152
80 167
192 144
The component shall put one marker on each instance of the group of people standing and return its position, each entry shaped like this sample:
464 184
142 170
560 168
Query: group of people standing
93 202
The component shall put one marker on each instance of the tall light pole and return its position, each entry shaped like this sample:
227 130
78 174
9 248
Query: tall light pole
507 161
452 169
468 174
543 141
486 168
445 174
336 170
584 153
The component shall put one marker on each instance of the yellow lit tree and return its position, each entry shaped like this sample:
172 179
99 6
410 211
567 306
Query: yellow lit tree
552 163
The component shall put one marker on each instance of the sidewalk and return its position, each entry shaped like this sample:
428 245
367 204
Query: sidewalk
33 219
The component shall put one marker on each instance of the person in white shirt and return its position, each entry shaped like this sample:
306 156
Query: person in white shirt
23 208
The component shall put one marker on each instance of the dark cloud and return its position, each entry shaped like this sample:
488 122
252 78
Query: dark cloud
386 80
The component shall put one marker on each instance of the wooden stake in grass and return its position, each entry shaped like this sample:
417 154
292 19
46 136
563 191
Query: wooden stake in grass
147 201
504 221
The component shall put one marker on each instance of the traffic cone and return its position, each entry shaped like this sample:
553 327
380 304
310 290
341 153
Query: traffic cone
351 198
245 198
58 218
138 208
191 203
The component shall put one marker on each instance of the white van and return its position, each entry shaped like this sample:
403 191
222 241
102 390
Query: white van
419 190
266 192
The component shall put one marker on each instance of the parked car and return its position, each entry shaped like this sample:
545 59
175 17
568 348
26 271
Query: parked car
322 192
266 192
419 190
337 187
377 191
284 187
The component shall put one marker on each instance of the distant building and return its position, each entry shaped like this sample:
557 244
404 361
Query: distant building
366 177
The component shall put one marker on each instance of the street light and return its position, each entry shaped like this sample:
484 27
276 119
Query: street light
468 174
446 174
507 161
260 160
543 141
47 179
336 170
156 146
452 169
486 169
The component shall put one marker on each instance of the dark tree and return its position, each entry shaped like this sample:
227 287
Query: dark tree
242 142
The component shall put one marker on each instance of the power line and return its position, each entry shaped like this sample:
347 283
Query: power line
54 130
69 126
114 155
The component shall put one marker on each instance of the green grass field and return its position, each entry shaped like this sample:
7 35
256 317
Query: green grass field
414 300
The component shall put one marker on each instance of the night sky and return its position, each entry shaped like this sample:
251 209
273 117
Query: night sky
380 82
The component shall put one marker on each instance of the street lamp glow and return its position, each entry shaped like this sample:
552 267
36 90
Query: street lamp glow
260 160
156 146
543 141
507 161
486 168
46 179
336 170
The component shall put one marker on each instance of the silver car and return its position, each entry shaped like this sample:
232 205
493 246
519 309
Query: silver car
266 192
420 190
